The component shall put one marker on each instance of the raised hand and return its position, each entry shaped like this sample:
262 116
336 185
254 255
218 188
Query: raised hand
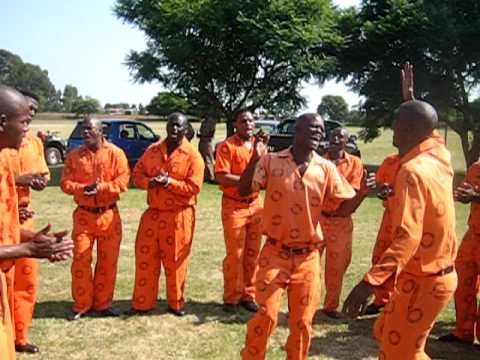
369 182
407 82
260 145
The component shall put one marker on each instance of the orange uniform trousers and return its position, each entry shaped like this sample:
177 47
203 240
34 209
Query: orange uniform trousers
338 235
24 292
242 231
95 292
384 239
300 276
163 238
406 321
467 308
7 348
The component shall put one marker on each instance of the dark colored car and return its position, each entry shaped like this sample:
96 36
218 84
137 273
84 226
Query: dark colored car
54 146
132 136
283 138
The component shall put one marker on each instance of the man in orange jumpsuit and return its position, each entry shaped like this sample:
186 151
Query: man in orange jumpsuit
385 177
298 181
15 118
241 217
31 172
422 253
95 174
338 230
467 264
172 173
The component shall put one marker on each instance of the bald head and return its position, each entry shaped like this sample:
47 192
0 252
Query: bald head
419 114
15 117
12 102
415 121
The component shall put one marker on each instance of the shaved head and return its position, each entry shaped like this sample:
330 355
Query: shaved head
414 122
420 115
11 101
15 117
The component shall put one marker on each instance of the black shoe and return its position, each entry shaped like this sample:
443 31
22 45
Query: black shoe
27 348
332 314
230 308
450 338
373 309
73 316
249 305
135 312
179 312
110 312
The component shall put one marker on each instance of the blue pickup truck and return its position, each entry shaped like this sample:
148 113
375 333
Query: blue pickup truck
132 136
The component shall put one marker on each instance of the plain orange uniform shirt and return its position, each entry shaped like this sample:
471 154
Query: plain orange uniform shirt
29 159
351 168
185 172
84 167
293 204
233 158
423 218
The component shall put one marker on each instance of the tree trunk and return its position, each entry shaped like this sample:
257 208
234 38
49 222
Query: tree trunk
471 149
230 127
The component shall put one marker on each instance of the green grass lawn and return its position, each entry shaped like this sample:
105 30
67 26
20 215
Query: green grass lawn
206 332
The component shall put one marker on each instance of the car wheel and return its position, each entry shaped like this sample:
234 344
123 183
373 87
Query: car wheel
53 156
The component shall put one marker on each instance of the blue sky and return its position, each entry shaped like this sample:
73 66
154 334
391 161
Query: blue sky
82 43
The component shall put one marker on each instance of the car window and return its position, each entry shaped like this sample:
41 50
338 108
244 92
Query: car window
267 128
127 132
145 133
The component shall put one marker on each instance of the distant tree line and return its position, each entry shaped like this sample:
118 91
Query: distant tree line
25 76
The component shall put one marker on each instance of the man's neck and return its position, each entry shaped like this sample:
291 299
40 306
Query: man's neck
301 155
336 155
171 146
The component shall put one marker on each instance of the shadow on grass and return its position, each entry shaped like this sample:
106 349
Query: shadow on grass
204 312
358 342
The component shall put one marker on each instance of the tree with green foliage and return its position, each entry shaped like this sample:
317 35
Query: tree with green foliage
333 107
224 55
440 38
25 76
70 96
167 102
85 106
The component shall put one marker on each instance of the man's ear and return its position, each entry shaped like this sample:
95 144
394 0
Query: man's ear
3 121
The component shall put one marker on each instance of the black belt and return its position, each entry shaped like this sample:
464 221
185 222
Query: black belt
445 271
245 201
98 210
290 249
